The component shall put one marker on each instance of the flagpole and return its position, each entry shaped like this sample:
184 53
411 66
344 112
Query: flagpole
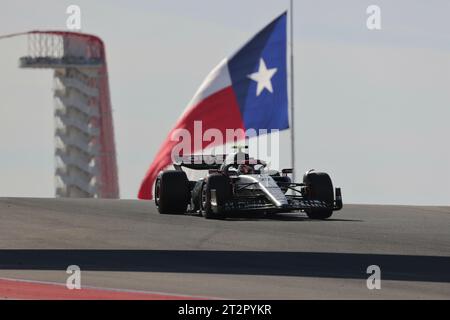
291 9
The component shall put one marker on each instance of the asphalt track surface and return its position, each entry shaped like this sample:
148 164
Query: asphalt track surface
126 244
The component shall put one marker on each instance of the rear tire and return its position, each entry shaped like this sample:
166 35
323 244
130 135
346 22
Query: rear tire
221 184
172 192
319 187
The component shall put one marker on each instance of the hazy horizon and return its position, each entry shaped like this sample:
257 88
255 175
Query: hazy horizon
372 107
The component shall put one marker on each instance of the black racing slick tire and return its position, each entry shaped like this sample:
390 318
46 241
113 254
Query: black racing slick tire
319 187
222 187
172 192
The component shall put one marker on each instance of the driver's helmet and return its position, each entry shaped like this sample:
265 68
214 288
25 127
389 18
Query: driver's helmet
245 169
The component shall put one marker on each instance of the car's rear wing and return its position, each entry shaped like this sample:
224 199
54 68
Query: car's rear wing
200 162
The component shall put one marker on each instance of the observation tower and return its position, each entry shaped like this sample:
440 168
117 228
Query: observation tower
85 155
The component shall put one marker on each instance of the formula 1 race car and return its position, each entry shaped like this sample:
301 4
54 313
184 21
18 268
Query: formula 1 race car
237 183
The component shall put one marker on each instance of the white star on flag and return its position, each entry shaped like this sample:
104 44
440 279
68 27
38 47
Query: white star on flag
262 77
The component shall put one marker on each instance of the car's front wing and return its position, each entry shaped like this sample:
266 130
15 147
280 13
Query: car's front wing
295 203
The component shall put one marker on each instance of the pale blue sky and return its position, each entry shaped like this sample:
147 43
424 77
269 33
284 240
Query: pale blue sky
372 107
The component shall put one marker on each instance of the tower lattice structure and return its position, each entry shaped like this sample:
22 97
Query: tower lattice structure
85 155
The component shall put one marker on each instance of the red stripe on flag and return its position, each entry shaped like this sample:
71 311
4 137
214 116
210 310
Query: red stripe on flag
220 111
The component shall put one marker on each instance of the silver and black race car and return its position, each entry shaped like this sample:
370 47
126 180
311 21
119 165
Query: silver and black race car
236 183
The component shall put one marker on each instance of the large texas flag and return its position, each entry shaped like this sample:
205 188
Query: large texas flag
246 91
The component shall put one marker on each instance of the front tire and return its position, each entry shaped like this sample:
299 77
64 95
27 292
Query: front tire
172 192
221 185
319 187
